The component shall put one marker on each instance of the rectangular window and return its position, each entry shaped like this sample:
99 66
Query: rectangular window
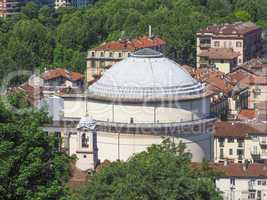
230 152
240 152
102 54
238 44
251 195
111 54
259 195
93 64
93 54
232 181
221 142
120 55
221 154
240 143
216 43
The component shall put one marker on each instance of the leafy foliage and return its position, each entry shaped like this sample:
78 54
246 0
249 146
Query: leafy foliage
163 172
30 165
41 37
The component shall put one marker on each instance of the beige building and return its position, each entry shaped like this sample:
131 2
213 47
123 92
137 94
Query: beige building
9 7
105 55
242 38
242 181
257 85
237 142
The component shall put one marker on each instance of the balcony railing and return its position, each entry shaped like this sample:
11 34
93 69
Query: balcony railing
204 45
263 140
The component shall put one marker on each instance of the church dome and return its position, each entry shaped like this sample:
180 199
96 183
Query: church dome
145 75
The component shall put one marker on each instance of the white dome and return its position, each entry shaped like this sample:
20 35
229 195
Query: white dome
145 74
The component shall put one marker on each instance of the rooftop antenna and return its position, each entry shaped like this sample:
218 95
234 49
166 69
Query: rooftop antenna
149 31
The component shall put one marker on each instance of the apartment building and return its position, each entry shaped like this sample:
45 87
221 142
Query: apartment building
242 181
10 7
241 38
105 55
237 142
256 81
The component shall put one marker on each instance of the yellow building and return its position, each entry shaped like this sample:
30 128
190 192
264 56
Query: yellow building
223 59
243 38
105 55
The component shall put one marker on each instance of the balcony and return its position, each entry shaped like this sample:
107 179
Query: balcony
263 140
255 152
204 45
264 155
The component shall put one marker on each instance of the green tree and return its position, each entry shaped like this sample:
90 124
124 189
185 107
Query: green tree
31 167
30 10
242 15
163 172
29 44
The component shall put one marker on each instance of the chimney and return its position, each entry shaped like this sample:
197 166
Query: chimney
149 31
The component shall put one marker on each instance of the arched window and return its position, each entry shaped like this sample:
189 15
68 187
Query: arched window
84 141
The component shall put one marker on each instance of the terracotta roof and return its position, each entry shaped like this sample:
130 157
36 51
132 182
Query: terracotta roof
60 72
238 74
257 66
130 45
241 170
245 77
34 94
246 114
238 28
216 79
234 129
219 53
254 80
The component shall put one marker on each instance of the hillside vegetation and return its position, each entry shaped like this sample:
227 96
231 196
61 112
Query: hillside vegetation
41 37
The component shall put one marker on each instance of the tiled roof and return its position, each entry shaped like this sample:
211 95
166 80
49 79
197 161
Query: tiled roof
241 170
60 72
130 45
245 77
238 28
219 53
247 114
234 129
216 79
257 66
34 94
